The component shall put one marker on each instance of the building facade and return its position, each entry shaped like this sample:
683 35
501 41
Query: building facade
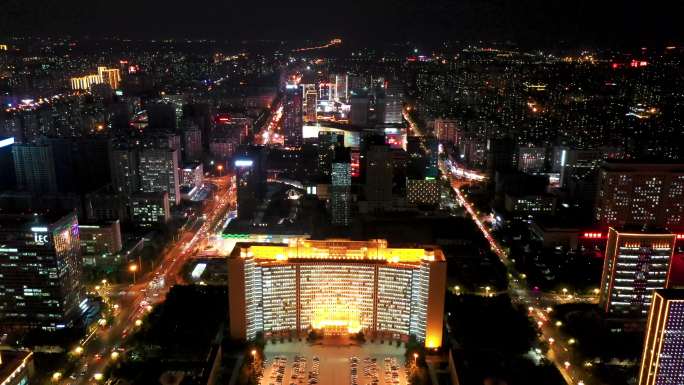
159 172
630 193
635 265
662 361
337 287
40 272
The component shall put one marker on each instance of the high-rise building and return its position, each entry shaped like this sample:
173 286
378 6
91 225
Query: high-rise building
34 167
378 177
192 175
638 193
150 209
636 264
342 88
123 165
662 361
358 114
192 144
99 240
40 271
293 116
531 159
392 109
423 192
250 179
311 102
340 191
337 286
447 130
158 169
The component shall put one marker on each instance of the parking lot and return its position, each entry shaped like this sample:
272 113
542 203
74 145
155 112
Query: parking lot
301 363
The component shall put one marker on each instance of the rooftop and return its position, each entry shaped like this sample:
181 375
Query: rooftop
375 250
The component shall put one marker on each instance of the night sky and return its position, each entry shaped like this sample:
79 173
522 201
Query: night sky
528 22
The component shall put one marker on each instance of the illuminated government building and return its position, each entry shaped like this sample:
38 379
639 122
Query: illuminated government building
337 286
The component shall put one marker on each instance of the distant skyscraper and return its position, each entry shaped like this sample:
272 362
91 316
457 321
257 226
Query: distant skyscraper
158 170
631 193
340 194
293 116
35 168
662 362
342 87
635 265
378 177
311 99
40 271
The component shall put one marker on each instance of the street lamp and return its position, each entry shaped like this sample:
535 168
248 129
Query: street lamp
138 322
415 359
220 169
79 350
115 355
133 268
56 376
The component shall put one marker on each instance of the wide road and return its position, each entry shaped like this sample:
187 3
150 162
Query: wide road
561 353
130 303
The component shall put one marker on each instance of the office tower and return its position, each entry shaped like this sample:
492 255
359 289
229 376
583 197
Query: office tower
531 159
423 192
250 179
392 109
324 91
40 271
340 191
158 169
150 208
636 264
8 178
99 240
500 155
358 114
337 287
34 167
431 157
192 175
293 116
192 144
447 130
106 205
662 361
639 193
378 177
123 165
341 88
311 101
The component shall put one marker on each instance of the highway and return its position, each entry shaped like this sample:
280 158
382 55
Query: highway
129 303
